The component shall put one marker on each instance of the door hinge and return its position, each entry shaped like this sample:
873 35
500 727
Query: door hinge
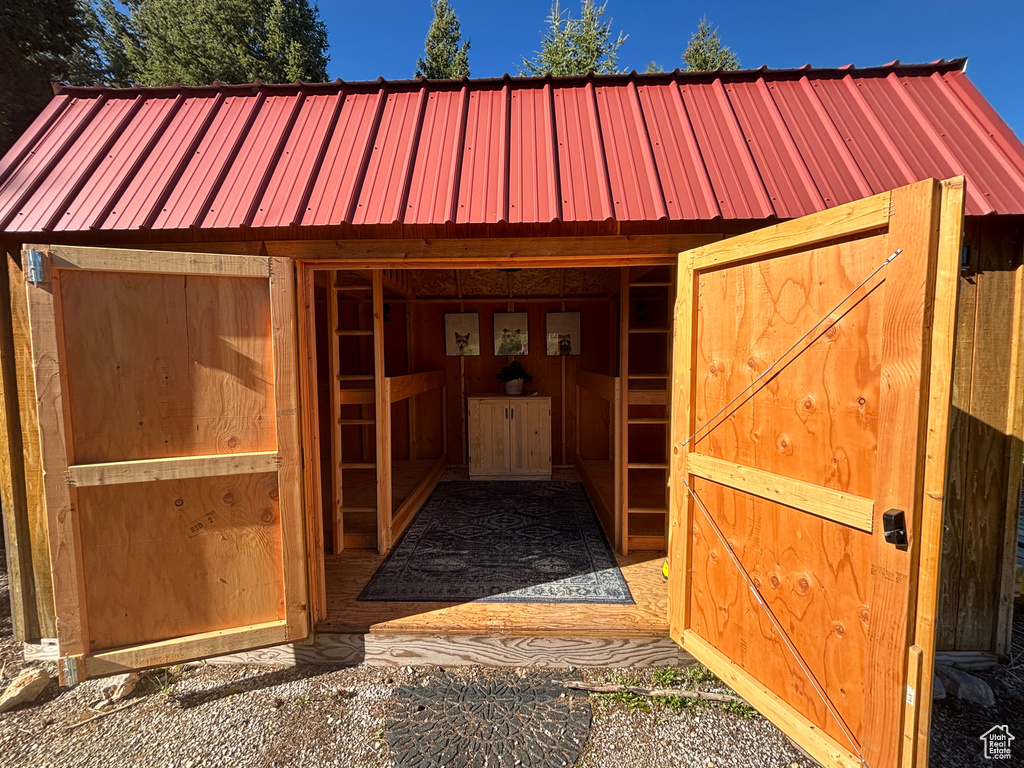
70 665
34 271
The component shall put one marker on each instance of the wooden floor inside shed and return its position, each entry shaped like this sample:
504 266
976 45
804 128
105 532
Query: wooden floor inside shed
349 572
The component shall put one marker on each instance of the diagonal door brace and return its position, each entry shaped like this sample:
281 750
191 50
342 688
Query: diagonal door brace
860 292
786 639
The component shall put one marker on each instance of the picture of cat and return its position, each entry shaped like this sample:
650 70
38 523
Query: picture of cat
563 333
511 333
462 334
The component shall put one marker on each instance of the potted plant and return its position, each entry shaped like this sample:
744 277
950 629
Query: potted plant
513 375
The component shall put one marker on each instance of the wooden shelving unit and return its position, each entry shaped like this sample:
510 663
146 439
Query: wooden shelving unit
644 417
373 496
354 521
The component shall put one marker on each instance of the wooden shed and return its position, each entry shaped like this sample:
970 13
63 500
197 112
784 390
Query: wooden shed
235 344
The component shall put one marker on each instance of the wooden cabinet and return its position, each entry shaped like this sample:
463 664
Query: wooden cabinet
509 436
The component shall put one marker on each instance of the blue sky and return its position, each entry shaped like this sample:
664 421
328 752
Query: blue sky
372 39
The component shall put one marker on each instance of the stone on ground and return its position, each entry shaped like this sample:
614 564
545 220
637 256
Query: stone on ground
121 686
25 689
965 686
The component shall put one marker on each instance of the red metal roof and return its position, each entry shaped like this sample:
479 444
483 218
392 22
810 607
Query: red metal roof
747 145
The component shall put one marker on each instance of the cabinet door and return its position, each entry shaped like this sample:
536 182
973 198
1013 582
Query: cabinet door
531 436
488 437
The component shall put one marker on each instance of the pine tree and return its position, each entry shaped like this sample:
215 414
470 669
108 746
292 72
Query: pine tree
653 68
295 43
197 42
41 41
576 46
706 52
443 56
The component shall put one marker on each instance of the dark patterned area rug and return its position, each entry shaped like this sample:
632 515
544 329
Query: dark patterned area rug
502 720
502 542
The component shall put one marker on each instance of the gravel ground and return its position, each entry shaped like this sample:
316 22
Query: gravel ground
957 725
199 715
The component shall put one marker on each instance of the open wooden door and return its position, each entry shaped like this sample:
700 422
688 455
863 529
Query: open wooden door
168 417
811 394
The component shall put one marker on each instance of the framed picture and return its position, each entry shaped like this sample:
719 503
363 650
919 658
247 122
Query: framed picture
511 333
462 334
563 333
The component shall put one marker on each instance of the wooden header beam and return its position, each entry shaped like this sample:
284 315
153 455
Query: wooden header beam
491 253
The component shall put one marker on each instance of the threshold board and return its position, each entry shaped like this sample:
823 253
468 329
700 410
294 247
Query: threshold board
400 650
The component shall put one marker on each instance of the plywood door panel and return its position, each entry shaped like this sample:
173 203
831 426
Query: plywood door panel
530 427
807 615
167 365
155 371
819 421
489 437
180 557
815 577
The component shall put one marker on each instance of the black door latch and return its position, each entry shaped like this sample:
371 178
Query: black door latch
894 527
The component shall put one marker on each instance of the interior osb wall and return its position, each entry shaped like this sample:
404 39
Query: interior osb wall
985 448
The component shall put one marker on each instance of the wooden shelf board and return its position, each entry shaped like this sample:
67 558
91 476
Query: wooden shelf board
650 330
646 543
649 385
360 540
638 396
647 493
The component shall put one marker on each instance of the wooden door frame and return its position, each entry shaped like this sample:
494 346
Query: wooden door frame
376 255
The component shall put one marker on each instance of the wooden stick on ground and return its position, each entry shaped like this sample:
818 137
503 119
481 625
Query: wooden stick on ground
653 692
104 713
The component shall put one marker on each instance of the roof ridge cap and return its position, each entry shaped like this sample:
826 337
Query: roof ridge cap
938 65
